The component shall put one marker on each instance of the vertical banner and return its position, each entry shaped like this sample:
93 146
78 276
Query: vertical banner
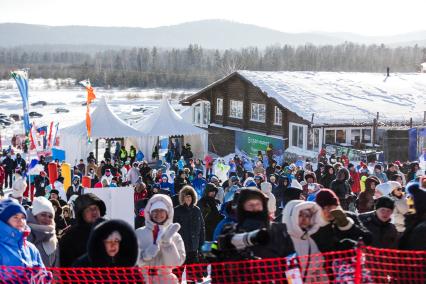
21 79
90 97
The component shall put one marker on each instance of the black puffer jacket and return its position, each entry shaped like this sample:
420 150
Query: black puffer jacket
341 187
74 243
332 238
191 221
327 178
96 255
211 215
384 234
40 184
415 233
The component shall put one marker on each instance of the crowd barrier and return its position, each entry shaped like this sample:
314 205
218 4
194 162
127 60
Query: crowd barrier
361 265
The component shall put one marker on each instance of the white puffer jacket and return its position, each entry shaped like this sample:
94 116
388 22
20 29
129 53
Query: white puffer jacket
172 254
401 208
266 188
302 240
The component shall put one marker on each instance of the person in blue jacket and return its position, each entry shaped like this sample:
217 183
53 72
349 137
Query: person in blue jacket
14 248
166 185
199 183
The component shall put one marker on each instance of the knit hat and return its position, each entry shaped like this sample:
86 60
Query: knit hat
418 195
10 207
384 202
326 197
158 205
387 187
214 178
41 204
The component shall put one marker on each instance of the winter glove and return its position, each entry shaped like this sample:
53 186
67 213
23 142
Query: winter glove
340 218
166 238
151 252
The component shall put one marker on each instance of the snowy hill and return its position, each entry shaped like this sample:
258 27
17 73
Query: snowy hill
213 34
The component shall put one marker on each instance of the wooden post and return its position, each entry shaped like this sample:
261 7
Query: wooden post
373 136
411 122
96 147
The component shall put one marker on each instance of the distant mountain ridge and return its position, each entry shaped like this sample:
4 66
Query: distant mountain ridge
213 34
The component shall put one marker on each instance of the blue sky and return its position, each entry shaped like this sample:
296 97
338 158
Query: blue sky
368 17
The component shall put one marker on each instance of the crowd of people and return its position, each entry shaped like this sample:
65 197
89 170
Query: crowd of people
305 209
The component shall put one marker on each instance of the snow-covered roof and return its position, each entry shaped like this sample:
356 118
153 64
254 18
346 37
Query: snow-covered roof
105 124
342 97
165 121
345 97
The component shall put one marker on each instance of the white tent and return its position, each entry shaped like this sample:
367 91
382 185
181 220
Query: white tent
165 121
105 124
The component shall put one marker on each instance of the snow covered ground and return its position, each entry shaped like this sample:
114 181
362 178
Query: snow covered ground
129 104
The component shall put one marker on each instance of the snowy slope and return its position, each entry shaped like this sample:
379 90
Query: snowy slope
345 97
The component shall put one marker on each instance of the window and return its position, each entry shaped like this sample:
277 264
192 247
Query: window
201 113
333 136
355 136
340 136
219 106
236 109
206 113
316 136
298 135
330 136
366 136
278 117
258 112
196 114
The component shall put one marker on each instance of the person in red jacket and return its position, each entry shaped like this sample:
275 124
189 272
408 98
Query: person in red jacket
2 175
355 180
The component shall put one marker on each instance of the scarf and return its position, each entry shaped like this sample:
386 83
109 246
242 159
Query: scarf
47 236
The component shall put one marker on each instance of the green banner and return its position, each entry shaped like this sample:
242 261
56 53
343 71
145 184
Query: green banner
252 143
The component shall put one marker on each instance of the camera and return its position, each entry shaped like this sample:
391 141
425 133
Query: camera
243 240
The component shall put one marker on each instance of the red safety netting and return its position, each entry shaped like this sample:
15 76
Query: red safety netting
362 265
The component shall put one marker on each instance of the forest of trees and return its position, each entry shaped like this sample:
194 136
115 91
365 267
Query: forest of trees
195 67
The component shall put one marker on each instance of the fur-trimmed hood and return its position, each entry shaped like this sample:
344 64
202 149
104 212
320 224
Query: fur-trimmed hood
291 218
187 190
84 201
128 253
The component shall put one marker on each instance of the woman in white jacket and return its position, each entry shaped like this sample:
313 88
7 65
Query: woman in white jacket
159 242
303 219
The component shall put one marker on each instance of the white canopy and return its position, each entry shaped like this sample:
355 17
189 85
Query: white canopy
105 124
165 121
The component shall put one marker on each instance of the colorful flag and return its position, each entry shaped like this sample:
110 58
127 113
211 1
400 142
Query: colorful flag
21 78
90 97
54 134
49 137
33 136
